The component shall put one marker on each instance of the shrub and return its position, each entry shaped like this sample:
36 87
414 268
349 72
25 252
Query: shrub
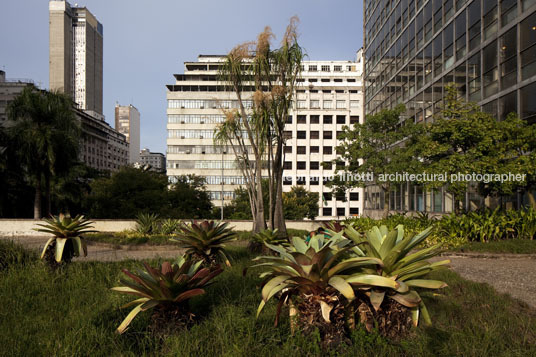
169 226
147 223
257 243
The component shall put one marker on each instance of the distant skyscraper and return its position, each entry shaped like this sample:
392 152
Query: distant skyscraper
76 54
127 122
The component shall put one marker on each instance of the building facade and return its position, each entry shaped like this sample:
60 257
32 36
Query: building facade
413 49
155 160
127 122
329 96
9 89
76 54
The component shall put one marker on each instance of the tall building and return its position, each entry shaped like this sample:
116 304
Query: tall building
9 89
127 122
155 160
413 49
329 96
76 54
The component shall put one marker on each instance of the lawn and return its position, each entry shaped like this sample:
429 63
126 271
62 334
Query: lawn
74 313
512 246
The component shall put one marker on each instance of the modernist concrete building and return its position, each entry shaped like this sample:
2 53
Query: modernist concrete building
328 98
413 49
9 89
127 122
76 54
156 160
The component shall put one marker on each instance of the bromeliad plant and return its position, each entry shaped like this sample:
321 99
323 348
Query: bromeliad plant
206 241
389 288
167 290
169 226
311 279
67 241
147 223
257 243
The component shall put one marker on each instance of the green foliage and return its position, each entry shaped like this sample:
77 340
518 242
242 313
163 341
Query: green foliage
400 268
300 203
269 236
130 191
147 223
170 286
169 226
67 233
205 241
14 255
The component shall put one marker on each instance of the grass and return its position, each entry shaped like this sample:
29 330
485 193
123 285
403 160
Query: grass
513 246
73 312
134 238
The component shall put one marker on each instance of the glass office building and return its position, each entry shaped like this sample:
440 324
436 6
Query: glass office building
413 49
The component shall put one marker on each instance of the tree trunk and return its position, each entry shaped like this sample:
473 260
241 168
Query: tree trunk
260 223
531 199
47 194
386 193
37 200
279 217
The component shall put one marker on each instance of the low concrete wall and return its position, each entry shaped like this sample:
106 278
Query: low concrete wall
24 227
378 214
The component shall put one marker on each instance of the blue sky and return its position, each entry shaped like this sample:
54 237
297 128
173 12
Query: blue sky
146 42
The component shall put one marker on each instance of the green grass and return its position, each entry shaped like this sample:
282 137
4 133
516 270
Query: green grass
132 238
73 312
513 246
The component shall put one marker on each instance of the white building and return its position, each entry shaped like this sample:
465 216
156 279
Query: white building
127 122
155 160
329 97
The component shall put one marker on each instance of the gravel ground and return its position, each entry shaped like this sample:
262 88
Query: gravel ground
510 273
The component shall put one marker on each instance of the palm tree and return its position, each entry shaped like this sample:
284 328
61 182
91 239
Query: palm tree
45 134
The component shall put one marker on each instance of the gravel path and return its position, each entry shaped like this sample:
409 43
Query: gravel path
510 273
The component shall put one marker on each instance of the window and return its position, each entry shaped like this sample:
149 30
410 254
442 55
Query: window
314 134
314 119
315 104
354 119
341 211
354 211
341 119
302 135
289 120
354 104
528 46
326 211
328 104
328 196
327 150
327 165
327 134
302 119
287 165
301 104
300 181
301 165
489 67
354 196
288 149
325 68
287 181
312 68
507 54
314 180
287 134
528 104
327 119
508 11
337 68
460 28
507 105
314 165
474 25
340 196
490 18
301 150
341 104
339 134
325 80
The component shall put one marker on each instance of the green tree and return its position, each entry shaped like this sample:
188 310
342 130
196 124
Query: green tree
188 199
44 133
300 203
383 145
240 207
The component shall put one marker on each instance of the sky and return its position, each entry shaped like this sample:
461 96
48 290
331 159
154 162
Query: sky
146 42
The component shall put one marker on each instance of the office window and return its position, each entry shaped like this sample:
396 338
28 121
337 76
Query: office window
301 150
474 25
287 134
327 150
339 134
325 68
326 211
328 104
314 119
302 135
287 165
314 149
341 211
314 134
314 165
300 181
312 68
302 119
328 196
354 119
508 57
301 104
340 196
460 31
327 119
288 149
354 104
315 104
327 165
528 46
337 68
314 180
354 196
301 165
289 120
327 134
527 4
341 104
354 211
528 104
287 181
490 18
507 105
508 11
489 69
341 119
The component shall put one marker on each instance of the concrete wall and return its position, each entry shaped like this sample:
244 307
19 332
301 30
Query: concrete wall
24 227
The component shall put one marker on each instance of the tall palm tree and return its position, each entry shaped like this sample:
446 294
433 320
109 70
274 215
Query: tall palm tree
44 131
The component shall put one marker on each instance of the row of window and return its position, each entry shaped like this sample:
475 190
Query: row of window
196 119
195 134
313 135
339 211
326 104
327 68
217 195
202 164
207 103
201 149
326 119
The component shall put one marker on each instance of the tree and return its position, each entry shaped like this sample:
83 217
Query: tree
381 146
188 198
258 131
44 133
300 203
240 207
